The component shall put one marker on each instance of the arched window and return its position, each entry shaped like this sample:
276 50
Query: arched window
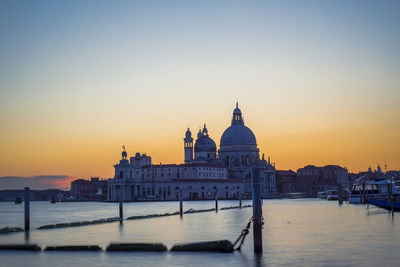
247 159
227 160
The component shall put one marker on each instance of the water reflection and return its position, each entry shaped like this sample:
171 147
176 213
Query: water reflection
258 260
296 232
27 234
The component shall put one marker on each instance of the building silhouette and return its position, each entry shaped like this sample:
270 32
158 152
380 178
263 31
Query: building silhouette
205 173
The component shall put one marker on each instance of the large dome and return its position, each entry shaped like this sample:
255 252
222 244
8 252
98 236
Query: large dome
238 134
205 144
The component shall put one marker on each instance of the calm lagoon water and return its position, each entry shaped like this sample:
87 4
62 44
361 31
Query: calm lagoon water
298 232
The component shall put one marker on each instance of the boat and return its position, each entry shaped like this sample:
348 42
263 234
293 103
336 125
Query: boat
322 194
18 200
385 203
53 200
364 188
149 198
332 195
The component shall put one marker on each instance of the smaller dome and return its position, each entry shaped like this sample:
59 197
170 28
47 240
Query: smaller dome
205 144
137 154
124 154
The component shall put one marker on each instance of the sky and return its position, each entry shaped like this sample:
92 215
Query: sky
318 82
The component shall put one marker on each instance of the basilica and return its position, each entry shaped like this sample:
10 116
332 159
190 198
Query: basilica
206 173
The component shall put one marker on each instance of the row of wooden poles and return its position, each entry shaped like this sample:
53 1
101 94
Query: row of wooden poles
121 212
256 199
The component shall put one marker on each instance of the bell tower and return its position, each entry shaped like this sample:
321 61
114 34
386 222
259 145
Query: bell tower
188 146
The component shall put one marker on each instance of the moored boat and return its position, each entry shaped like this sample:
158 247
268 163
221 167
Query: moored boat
364 188
332 195
386 204
322 194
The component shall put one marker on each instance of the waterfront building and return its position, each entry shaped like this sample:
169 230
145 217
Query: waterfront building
39 195
95 189
205 173
312 179
285 180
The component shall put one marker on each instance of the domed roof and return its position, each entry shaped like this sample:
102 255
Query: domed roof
205 144
238 134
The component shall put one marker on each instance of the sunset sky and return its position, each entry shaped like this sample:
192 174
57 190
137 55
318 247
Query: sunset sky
318 82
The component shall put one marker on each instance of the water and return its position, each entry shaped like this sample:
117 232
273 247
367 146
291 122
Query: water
297 232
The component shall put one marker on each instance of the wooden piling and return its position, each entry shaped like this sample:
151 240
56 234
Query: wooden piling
391 197
216 200
240 199
340 195
181 202
257 210
364 196
26 210
121 208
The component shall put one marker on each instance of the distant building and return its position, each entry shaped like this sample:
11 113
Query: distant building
312 179
39 195
49 194
95 189
394 175
11 195
206 171
372 175
285 181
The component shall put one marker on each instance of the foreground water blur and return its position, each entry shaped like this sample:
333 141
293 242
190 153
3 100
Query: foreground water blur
298 232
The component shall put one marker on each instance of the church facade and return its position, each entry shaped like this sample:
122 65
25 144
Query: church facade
206 173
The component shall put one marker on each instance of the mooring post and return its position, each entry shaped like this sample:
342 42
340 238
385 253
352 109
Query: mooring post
26 210
340 196
257 210
391 197
216 200
240 199
181 202
364 197
121 208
